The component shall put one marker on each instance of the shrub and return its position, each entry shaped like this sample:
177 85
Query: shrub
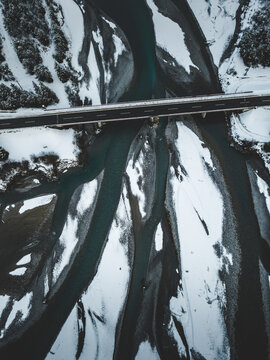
3 154
63 73
13 97
43 73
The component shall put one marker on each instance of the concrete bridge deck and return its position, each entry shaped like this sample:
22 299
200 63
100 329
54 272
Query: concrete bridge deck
134 110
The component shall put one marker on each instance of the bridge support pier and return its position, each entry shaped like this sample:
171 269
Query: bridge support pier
154 121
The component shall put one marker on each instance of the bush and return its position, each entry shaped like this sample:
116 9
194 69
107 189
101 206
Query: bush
255 42
63 73
28 54
73 96
43 73
5 73
13 97
3 154
24 18
45 95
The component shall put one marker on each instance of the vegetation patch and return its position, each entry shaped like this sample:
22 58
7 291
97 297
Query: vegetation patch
255 42
14 97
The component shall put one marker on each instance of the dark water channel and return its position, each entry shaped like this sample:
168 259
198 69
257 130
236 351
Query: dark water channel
109 153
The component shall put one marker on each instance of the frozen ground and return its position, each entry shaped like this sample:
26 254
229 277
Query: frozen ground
69 237
103 300
217 21
199 209
174 44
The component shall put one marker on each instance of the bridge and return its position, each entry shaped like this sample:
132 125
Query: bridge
134 110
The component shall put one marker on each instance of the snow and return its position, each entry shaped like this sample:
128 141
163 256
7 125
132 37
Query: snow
69 237
101 299
4 299
264 189
69 240
119 48
136 177
23 143
56 86
36 202
235 77
118 43
159 238
87 195
21 307
18 272
94 82
168 34
146 352
63 349
217 21
73 28
199 305
252 125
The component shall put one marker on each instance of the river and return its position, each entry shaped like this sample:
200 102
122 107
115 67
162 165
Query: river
109 153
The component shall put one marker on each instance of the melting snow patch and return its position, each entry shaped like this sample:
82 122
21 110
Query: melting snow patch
168 34
159 238
147 352
264 189
24 260
69 237
88 193
135 173
102 304
18 272
21 307
36 202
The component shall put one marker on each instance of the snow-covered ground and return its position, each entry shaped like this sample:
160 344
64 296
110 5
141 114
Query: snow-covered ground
199 209
217 21
252 125
69 237
173 39
30 143
19 312
36 202
104 298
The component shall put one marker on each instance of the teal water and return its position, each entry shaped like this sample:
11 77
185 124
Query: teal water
109 153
